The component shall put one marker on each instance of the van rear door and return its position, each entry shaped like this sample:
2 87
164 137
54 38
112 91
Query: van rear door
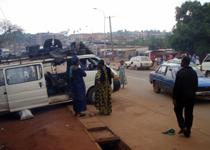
25 86
3 95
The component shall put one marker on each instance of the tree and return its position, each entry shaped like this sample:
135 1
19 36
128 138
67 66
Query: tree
10 33
152 42
192 30
7 27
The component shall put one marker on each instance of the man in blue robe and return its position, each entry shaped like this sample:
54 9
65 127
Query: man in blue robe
77 86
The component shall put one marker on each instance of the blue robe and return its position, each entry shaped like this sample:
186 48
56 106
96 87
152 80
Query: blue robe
78 89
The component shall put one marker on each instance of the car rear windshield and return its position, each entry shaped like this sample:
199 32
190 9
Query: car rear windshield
199 73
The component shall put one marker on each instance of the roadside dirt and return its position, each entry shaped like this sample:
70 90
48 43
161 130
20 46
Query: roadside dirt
53 129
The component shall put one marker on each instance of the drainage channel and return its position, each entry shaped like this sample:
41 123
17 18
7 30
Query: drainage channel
104 137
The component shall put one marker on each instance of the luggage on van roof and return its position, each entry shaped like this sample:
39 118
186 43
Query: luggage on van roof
52 49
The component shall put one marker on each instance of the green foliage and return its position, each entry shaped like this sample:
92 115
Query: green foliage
152 42
10 33
192 30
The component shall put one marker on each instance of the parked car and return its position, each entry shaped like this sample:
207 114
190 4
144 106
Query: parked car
163 78
30 84
141 62
129 62
205 65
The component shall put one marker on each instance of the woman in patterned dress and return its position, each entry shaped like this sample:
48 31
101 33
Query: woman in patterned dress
103 89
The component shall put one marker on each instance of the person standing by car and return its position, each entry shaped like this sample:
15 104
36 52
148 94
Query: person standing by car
77 86
186 84
123 80
103 89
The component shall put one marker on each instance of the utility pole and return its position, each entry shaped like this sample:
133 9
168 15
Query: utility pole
110 26
104 23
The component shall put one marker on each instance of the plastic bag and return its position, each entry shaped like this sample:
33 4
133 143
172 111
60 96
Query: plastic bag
25 114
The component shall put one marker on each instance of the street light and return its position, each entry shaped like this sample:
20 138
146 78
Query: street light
104 23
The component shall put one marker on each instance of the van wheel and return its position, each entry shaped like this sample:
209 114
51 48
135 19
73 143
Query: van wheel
156 87
91 95
135 67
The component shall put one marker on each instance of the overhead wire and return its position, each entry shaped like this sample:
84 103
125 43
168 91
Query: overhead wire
3 14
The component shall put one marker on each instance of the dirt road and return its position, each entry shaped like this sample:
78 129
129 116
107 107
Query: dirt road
53 129
139 116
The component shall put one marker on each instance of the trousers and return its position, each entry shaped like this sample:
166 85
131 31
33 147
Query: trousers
185 121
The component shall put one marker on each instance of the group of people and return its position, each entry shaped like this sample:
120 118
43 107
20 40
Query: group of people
103 81
185 87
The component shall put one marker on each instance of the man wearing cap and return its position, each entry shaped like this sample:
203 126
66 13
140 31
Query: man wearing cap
185 87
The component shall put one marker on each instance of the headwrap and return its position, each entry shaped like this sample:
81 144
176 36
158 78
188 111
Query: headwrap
74 60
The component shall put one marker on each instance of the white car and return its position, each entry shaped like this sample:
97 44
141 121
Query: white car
141 62
129 62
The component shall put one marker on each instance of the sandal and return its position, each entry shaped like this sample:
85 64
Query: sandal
80 114
169 132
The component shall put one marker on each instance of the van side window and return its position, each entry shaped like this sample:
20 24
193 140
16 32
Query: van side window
88 64
1 78
23 74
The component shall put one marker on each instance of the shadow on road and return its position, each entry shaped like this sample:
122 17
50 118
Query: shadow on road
14 115
202 102
197 101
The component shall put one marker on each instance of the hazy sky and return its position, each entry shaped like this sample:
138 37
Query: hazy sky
60 15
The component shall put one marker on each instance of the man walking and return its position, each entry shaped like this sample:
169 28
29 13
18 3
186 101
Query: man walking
186 84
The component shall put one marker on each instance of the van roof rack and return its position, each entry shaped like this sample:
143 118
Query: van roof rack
55 53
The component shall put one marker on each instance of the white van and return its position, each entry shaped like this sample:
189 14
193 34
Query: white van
140 62
32 84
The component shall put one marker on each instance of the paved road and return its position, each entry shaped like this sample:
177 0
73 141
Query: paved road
140 115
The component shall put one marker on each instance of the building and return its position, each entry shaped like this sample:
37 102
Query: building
121 52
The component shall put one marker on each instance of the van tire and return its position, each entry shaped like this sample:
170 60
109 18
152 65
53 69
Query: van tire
91 95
